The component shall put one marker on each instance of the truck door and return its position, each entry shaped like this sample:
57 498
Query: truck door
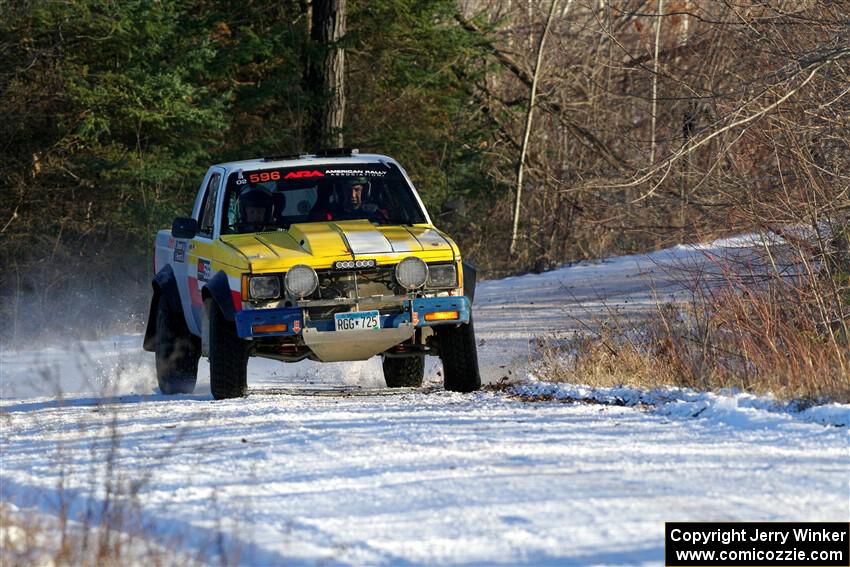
200 249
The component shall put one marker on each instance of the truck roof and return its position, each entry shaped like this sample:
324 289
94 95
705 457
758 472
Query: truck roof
303 160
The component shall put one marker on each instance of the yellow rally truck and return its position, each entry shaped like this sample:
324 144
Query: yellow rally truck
328 256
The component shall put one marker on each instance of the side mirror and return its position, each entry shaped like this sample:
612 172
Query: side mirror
184 228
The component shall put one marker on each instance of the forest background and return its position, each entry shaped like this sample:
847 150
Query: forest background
538 132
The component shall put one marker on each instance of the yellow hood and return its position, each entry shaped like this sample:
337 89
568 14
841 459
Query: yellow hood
319 244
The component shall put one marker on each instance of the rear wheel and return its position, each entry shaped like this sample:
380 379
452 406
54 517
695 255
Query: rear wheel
404 372
228 357
177 352
459 354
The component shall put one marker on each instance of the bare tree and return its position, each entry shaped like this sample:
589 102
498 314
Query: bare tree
660 7
528 122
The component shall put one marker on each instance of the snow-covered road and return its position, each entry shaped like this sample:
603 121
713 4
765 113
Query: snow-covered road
342 471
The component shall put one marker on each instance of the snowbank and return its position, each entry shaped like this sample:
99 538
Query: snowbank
733 408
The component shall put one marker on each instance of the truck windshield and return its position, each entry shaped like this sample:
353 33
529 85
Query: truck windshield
270 199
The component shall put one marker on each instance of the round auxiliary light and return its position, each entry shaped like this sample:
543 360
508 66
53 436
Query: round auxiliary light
411 272
301 281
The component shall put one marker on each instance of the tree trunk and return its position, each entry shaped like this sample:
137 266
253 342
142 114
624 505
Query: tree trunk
655 80
326 74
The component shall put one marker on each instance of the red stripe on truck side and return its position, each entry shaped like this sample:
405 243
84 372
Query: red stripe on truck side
194 292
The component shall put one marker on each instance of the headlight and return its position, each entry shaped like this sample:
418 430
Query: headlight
442 276
411 272
301 281
264 287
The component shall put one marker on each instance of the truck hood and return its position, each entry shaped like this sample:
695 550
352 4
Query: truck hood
318 244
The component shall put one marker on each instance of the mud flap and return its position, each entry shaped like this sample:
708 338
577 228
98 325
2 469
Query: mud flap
469 274
164 289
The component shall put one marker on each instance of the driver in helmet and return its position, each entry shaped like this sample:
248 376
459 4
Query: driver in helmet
358 201
355 194
255 209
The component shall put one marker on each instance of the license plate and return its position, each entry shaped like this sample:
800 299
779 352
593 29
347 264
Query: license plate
358 321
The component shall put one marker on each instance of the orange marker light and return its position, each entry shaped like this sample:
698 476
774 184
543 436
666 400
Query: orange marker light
278 328
442 316
244 287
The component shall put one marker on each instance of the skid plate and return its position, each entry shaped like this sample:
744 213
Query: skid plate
335 346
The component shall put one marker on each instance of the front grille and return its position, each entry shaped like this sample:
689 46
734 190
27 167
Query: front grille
357 284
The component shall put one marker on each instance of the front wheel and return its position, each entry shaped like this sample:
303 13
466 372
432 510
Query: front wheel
177 352
228 356
404 372
459 354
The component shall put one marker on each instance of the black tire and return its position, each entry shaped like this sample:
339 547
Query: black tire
177 352
228 357
459 354
407 372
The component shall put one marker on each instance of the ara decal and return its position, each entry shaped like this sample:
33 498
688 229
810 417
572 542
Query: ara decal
303 174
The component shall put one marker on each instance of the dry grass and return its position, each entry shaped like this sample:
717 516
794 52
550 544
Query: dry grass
605 359
22 540
29 537
784 335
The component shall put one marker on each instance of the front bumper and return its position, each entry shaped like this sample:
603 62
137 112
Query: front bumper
413 315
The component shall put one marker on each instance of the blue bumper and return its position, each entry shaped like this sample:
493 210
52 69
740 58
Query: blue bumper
414 311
